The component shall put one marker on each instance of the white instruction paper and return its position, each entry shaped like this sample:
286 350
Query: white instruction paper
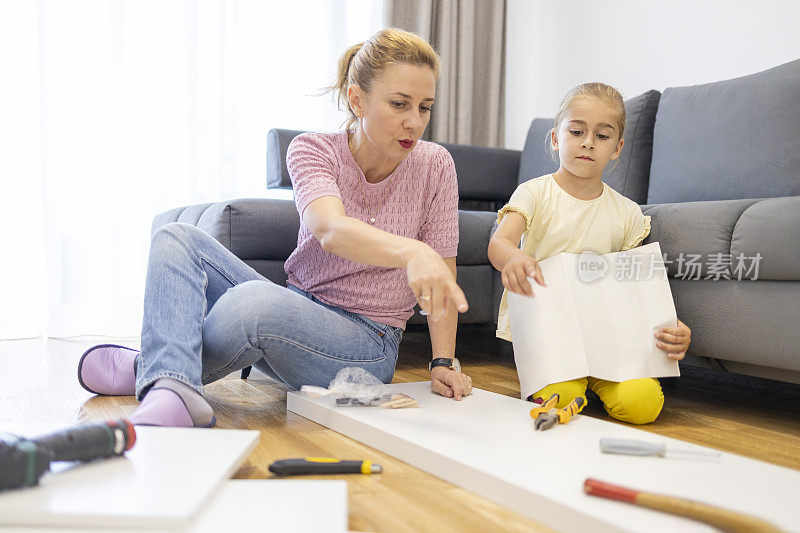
596 317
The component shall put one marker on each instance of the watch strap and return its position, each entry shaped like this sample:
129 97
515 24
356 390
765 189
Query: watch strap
440 361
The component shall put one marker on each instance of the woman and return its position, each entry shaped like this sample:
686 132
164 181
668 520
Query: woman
378 233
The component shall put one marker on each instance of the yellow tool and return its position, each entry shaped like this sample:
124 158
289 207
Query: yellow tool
548 416
551 402
574 407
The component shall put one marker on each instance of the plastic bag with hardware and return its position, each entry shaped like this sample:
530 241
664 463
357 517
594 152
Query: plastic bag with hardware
354 386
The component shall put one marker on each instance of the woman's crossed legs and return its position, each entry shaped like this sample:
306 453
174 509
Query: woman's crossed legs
208 314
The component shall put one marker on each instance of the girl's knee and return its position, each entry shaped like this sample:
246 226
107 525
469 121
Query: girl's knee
637 401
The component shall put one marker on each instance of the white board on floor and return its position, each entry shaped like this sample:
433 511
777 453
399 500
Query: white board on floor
161 482
256 505
277 505
486 443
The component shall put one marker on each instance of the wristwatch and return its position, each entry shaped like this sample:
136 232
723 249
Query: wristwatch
452 364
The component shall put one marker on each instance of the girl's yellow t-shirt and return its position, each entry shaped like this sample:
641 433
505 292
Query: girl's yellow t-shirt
558 222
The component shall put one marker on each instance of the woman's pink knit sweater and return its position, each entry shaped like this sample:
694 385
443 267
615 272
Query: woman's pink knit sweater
421 202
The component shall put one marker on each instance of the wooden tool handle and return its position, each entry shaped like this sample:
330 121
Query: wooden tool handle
724 519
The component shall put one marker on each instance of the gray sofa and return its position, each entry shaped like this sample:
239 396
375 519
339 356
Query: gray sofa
717 166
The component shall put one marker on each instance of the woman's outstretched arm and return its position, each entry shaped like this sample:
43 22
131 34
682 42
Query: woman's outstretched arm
429 277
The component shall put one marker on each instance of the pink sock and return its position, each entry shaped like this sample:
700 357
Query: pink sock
162 407
170 403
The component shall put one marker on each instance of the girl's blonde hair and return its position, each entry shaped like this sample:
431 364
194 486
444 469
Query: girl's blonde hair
362 63
602 91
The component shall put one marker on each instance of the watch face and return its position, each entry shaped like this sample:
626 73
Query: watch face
456 364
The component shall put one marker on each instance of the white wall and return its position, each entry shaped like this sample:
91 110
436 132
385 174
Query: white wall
636 46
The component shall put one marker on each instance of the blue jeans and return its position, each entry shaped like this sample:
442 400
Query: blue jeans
207 314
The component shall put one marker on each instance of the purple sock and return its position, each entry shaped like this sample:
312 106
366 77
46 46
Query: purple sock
108 369
162 407
170 403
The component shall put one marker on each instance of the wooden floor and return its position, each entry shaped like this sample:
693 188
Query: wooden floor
747 416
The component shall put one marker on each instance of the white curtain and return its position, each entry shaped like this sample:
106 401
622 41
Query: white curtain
113 111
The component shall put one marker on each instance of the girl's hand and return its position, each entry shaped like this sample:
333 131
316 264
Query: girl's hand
433 283
516 272
674 341
449 383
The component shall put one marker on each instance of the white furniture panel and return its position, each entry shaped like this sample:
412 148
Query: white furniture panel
162 482
255 505
486 443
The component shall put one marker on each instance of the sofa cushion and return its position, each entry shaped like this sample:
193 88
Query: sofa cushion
751 322
729 139
476 282
474 228
630 175
770 229
536 159
277 144
484 173
269 268
695 237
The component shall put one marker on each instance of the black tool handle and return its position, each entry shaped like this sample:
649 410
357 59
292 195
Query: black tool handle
297 467
89 441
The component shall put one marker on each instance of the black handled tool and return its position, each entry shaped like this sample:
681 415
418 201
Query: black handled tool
322 465
23 461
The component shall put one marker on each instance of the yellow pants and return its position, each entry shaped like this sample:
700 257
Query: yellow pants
637 401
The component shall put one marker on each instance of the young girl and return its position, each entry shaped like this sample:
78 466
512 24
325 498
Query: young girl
573 211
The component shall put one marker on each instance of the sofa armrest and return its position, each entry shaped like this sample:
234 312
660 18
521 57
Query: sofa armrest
251 228
767 231
691 233
730 234
187 215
